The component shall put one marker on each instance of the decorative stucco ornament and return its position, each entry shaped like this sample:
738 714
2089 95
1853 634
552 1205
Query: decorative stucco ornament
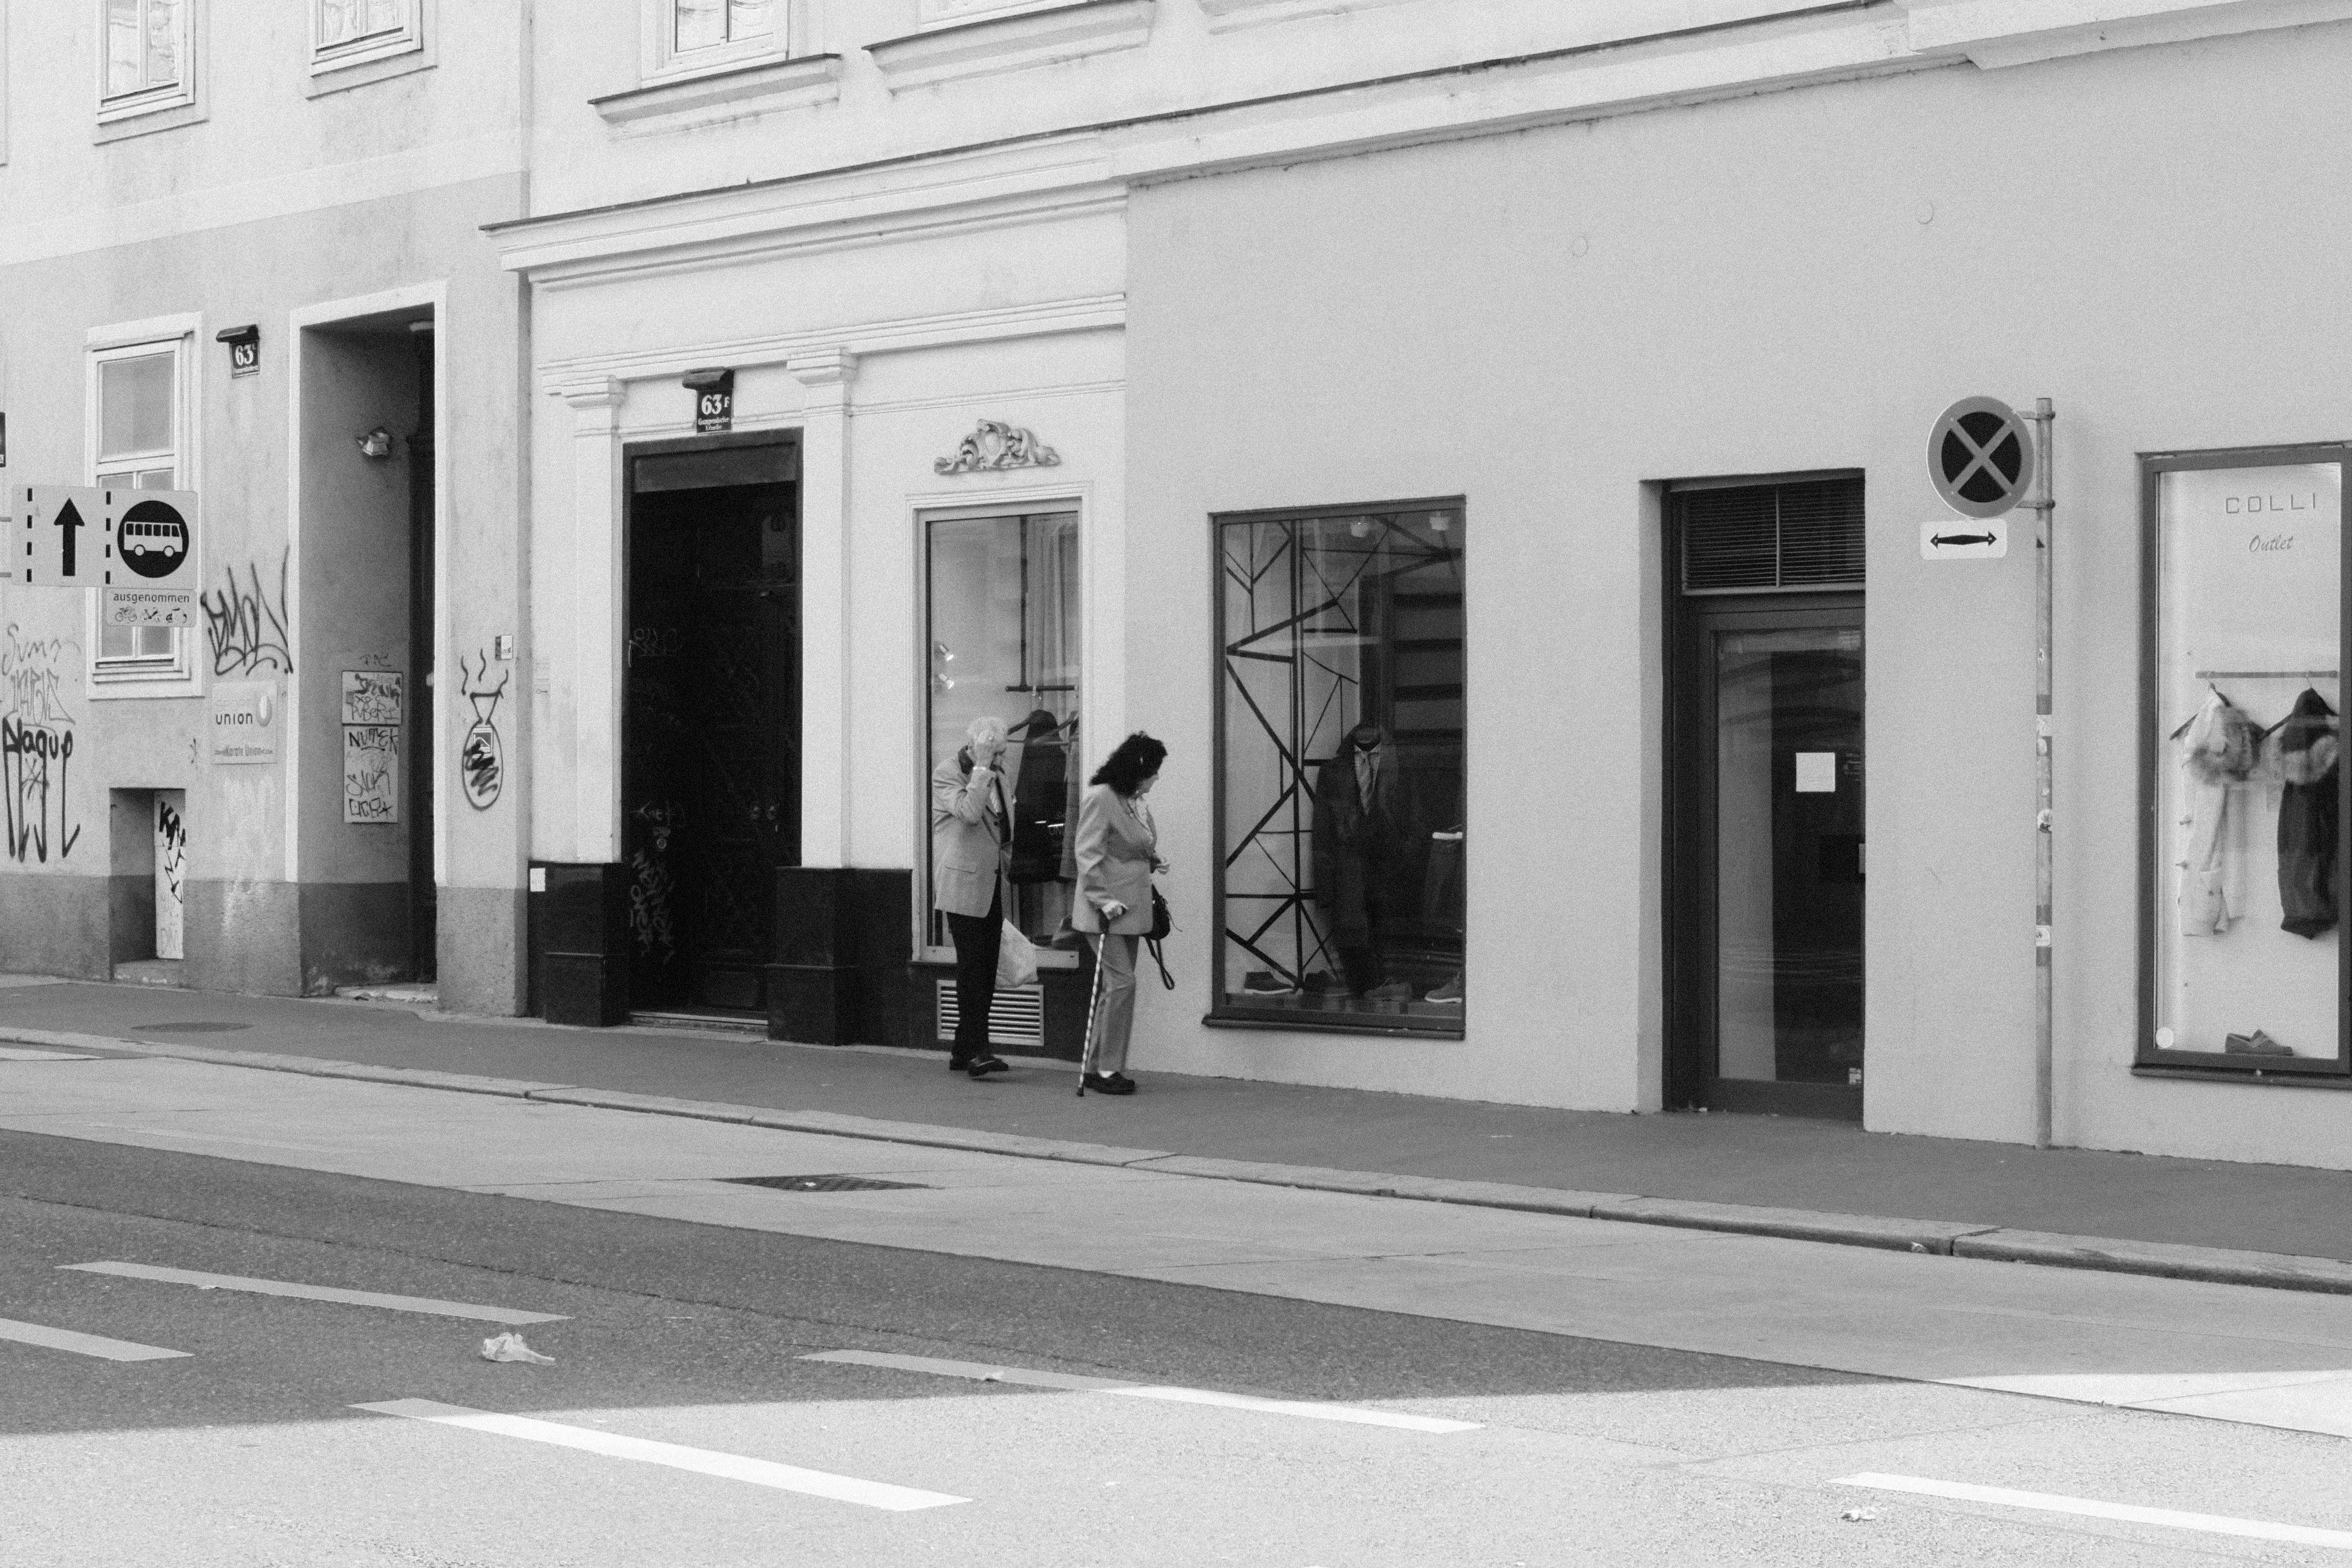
997 445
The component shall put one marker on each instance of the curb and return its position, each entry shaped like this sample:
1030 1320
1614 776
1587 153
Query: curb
1943 1239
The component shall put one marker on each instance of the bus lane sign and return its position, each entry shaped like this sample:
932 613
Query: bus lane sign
139 548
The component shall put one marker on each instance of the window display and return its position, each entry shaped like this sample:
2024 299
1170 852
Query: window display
2247 962
1341 748
1003 641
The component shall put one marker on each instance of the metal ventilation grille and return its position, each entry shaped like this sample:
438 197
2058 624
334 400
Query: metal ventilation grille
1752 538
1016 1018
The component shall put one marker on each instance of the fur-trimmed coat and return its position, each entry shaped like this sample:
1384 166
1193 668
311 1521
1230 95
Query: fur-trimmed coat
2306 743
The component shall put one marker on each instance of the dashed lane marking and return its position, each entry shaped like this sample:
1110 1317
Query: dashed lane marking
96 1345
20 1054
318 1294
702 1462
2087 1508
980 1372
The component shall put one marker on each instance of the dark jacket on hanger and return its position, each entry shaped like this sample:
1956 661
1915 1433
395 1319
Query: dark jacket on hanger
1039 796
1365 850
2308 824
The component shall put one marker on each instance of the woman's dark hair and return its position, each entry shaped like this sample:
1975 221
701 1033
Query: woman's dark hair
1134 759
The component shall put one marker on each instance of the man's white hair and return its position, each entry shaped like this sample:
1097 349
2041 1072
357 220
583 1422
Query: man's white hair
988 729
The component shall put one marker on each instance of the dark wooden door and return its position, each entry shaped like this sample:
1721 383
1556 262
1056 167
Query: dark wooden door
711 787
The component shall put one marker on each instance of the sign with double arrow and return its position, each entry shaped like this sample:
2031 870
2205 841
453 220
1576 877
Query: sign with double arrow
139 546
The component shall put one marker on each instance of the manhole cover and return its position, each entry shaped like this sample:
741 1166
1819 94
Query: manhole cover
195 1028
819 1184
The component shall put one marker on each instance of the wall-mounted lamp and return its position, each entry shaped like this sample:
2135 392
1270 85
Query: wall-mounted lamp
1359 528
376 444
243 348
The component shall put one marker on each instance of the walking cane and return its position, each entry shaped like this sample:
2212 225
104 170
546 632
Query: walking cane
1094 999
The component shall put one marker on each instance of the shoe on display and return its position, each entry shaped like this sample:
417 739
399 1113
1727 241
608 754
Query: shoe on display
2257 1044
1393 991
1263 983
986 1063
1110 1083
1317 984
1448 995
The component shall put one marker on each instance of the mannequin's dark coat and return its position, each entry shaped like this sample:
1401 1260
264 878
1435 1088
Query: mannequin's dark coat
1369 854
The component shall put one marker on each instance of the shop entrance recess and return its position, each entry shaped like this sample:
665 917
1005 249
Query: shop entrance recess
1765 852
711 783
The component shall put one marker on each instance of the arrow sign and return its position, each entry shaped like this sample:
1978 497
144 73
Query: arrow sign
52 553
1947 539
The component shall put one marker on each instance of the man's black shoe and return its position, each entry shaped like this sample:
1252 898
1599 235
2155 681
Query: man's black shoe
959 1064
981 1066
1110 1083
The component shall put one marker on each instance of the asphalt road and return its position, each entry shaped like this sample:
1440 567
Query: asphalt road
251 1449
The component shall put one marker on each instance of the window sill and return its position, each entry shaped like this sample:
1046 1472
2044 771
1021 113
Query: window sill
1392 1027
1229 16
341 76
120 125
1010 43
2255 1077
114 685
736 90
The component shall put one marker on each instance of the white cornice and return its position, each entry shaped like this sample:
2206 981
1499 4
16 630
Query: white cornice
752 88
1012 42
824 351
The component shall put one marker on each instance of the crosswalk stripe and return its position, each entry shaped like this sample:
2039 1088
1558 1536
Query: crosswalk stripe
702 1462
81 1345
317 1293
2088 1508
983 1373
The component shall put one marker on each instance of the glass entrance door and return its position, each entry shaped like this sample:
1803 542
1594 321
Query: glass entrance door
1770 859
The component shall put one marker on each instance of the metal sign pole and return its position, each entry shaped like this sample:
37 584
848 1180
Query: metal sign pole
2044 504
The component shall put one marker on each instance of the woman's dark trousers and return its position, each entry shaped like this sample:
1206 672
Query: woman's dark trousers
976 937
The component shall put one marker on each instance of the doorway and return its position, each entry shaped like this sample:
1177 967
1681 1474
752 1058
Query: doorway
1765 851
710 785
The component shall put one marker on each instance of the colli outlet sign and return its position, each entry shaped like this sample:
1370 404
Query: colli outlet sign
2292 501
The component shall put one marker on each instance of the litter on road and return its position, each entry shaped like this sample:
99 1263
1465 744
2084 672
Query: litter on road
510 1347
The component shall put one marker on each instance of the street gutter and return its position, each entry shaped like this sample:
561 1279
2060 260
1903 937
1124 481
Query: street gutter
1943 1239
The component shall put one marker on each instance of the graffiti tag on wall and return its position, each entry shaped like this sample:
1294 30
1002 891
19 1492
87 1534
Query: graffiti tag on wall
651 923
372 773
36 745
482 757
247 632
171 868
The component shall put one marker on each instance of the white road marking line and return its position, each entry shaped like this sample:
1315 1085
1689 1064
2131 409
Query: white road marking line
983 1373
318 1294
81 1345
2210 1523
702 1462
19 1054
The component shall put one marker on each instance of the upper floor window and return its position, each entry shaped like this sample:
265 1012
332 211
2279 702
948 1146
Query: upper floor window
691 37
138 411
146 62
354 32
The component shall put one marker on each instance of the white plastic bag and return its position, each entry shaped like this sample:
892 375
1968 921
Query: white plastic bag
510 1347
1016 959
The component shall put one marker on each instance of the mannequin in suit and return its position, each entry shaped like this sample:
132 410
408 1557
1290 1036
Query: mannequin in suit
1364 855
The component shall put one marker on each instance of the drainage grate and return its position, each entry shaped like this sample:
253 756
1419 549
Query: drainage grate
198 1028
820 1183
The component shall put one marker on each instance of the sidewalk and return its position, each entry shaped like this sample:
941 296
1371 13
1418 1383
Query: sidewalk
1785 1176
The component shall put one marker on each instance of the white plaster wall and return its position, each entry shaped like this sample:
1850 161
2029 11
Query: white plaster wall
1546 322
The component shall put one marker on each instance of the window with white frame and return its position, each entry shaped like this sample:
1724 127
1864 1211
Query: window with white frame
144 65
138 413
694 36
355 32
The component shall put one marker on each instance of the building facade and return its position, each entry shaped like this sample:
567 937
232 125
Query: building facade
241 256
1490 444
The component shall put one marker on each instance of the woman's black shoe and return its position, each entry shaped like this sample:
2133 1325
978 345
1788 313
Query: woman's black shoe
959 1064
981 1066
1110 1083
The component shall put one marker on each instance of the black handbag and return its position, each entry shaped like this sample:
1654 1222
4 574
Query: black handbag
1162 924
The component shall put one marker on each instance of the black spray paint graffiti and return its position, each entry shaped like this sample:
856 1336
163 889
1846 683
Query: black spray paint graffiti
36 744
34 762
481 759
651 923
246 631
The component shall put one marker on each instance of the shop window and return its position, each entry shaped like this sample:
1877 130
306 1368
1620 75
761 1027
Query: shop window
1341 725
145 62
2244 968
138 405
1002 639
347 33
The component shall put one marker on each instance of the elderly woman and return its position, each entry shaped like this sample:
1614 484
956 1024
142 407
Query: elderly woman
1117 850
971 841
